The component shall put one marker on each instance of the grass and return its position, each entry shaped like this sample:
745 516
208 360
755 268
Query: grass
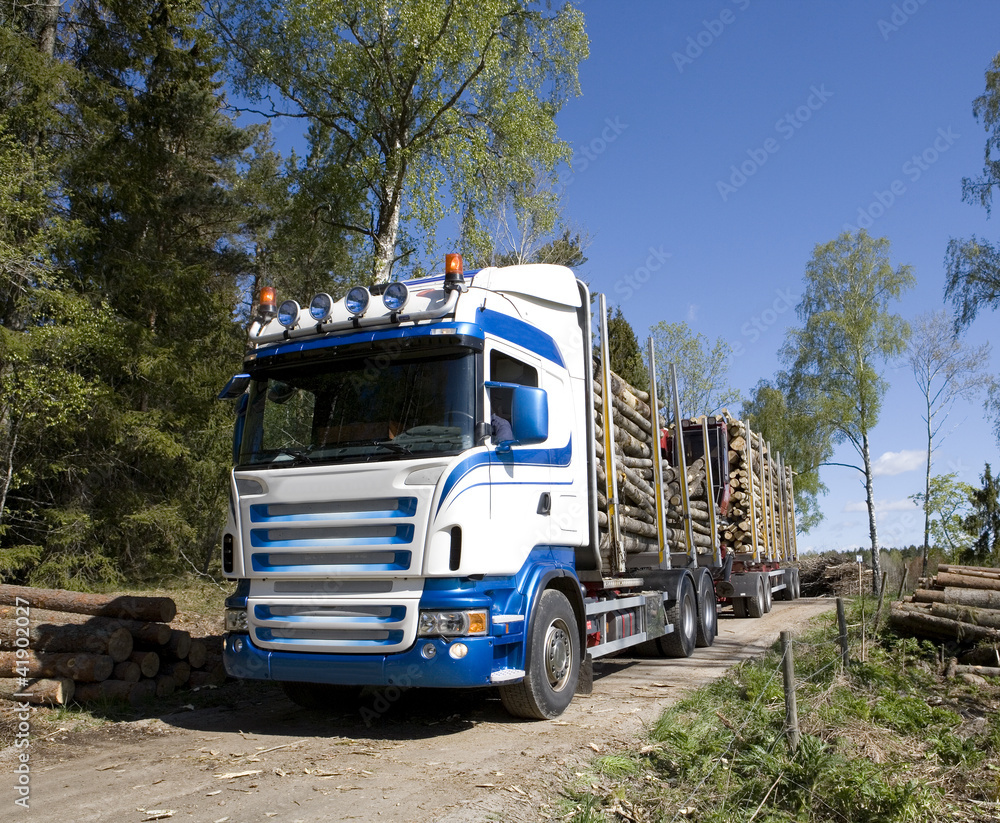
887 741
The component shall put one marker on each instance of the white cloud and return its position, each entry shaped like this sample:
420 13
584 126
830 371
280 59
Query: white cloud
898 462
904 505
692 314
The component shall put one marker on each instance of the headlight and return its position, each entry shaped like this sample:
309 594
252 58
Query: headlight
452 624
321 306
357 300
395 296
288 313
236 621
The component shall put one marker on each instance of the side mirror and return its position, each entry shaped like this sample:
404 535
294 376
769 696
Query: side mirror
529 417
235 387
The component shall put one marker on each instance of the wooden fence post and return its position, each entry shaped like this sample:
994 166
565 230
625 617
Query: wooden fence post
842 625
791 707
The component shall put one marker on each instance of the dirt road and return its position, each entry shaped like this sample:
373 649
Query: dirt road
424 755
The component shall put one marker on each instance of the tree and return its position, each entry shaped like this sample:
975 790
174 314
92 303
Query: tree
702 369
947 500
411 105
626 356
792 431
945 369
973 265
983 522
849 333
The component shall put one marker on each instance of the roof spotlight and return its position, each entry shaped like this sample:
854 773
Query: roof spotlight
288 313
320 307
357 300
395 296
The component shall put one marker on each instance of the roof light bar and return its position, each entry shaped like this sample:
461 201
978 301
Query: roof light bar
321 307
357 300
288 313
395 296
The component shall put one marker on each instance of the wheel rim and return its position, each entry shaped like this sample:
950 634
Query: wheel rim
558 654
690 619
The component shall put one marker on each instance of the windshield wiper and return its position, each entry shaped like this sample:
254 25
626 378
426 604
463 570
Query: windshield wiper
298 455
395 447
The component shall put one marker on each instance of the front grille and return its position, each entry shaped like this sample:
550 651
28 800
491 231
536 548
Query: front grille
325 627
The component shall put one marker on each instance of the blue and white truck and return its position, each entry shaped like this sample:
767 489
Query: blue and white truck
425 493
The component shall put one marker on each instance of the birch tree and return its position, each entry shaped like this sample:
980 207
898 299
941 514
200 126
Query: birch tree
849 333
411 105
946 369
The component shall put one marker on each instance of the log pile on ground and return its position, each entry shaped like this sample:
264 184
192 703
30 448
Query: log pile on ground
832 574
959 604
57 646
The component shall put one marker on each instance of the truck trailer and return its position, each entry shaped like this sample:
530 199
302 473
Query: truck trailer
441 483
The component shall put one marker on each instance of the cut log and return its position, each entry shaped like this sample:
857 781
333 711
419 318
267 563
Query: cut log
973 570
179 670
150 632
164 685
917 621
977 617
963 581
85 667
96 638
982 671
128 671
148 662
197 654
961 597
57 691
159 609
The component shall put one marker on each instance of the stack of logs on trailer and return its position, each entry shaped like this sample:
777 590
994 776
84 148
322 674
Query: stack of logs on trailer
761 512
960 604
57 646
760 519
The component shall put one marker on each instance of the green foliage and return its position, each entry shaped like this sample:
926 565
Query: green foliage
626 356
948 507
702 369
983 522
413 106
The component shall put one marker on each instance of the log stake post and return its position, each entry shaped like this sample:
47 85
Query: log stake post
682 468
710 488
610 469
842 627
791 707
654 411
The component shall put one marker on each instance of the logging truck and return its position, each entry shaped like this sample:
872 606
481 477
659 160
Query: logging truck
442 483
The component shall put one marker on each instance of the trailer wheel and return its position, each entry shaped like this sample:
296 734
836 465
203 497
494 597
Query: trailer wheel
796 591
740 607
708 611
684 616
322 697
788 592
756 603
553 664
768 593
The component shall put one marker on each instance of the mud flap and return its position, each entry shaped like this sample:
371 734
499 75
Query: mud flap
585 683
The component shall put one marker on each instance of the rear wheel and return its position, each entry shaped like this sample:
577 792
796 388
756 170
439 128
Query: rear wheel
768 594
740 607
683 614
756 603
708 611
796 591
553 664
322 697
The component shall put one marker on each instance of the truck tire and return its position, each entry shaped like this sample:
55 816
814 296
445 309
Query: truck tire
756 603
788 592
322 697
796 591
684 616
553 662
708 611
768 593
740 607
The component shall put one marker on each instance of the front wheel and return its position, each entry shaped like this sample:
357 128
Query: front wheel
553 665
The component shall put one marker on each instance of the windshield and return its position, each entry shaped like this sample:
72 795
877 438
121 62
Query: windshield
360 410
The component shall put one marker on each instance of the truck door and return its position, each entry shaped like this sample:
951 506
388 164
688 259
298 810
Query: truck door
520 479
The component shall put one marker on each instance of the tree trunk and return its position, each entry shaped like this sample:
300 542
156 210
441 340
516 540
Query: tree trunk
387 228
157 609
872 527
55 692
103 638
927 494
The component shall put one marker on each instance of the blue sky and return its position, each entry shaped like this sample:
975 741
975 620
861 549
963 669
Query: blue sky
831 115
